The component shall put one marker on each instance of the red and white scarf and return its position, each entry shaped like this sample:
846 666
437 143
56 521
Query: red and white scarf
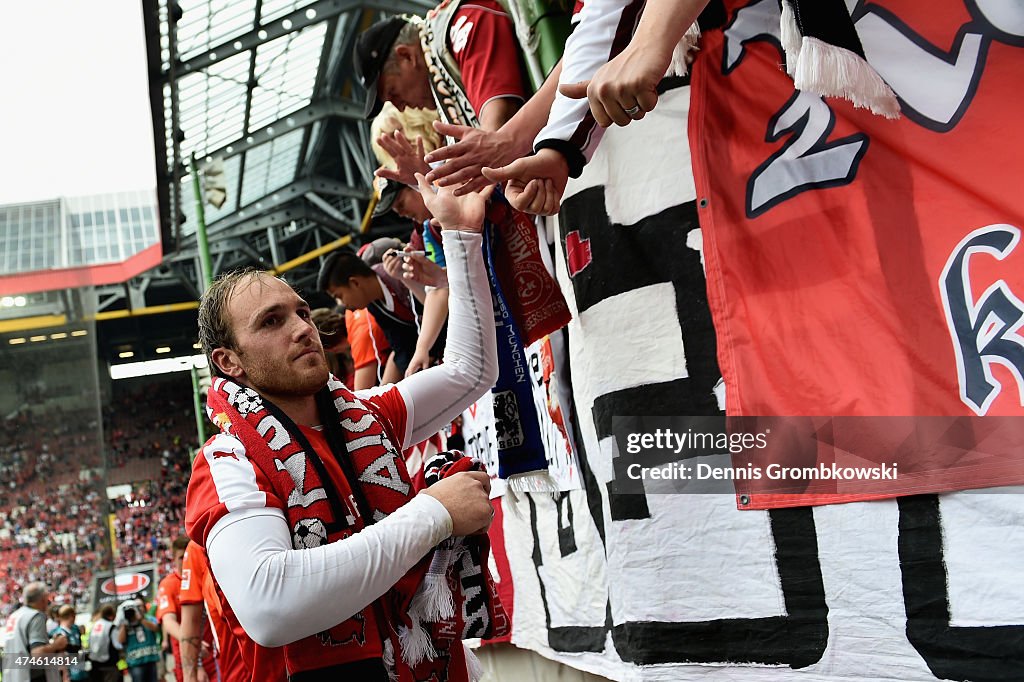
426 638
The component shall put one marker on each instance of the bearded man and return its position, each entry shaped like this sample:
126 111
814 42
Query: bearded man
303 503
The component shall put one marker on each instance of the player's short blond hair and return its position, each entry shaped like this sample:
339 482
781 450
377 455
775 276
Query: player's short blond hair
413 122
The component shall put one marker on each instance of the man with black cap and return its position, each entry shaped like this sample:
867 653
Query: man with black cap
472 53
402 199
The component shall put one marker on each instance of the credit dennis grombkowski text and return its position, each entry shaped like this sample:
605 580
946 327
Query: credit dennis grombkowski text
677 471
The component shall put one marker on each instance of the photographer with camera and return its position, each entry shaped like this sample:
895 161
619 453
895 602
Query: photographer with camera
104 647
136 632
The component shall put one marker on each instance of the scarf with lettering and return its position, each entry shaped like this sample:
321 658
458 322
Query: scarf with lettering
522 461
317 514
528 303
532 294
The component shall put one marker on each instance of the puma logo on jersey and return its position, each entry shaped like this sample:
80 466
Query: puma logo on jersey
460 34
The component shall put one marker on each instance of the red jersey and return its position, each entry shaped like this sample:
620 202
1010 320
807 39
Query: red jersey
241 659
223 482
263 664
169 602
482 39
198 587
366 339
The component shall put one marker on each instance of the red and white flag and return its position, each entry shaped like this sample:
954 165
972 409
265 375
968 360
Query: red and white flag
861 266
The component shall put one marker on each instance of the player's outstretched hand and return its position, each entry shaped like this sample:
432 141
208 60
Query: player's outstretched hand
465 213
534 184
465 158
466 497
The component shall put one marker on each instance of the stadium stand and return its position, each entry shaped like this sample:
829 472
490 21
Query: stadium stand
53 512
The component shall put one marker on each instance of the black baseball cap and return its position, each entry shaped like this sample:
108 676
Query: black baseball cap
387 193
373 47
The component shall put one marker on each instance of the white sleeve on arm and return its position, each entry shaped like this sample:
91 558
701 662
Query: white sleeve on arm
435 396
604 28
282 595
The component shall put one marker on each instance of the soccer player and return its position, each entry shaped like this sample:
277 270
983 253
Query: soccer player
319 568
168 611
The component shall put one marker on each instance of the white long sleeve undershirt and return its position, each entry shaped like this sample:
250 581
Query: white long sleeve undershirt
281 595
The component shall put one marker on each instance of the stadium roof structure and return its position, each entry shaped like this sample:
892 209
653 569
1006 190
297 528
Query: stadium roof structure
263 89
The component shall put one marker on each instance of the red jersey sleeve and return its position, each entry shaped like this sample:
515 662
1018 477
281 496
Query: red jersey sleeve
224 480
483 41
389 406
192 576
360 325
167 597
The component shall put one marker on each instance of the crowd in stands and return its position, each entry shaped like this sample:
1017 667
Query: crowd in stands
45 448
58 539
145 520
53 507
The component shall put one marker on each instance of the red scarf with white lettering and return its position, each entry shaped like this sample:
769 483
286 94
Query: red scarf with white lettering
534 297
380 484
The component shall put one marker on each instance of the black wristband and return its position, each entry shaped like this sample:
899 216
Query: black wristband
573 156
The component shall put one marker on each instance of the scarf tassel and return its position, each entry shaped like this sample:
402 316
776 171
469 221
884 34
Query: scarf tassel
682 55
832 71
473 665
439 603
532 482
416 644
434 600
517 485
790 36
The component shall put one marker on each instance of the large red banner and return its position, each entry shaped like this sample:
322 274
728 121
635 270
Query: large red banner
857 265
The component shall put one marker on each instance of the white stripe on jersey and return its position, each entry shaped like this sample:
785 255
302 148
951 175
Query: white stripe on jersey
234 475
